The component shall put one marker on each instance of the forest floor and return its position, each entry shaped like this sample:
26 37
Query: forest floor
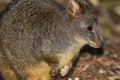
102 63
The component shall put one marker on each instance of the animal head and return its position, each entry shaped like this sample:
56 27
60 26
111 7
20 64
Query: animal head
85 27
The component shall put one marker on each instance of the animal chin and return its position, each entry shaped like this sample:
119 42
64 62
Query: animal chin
93 44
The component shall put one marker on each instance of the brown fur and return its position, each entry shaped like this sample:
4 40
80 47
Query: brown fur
40 39
39 72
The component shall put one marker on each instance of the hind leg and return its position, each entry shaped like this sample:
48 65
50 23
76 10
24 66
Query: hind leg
39 71
8 74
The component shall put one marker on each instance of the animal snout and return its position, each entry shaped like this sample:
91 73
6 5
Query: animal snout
100 44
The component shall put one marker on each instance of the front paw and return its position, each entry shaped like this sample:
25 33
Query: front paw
64 71
54 72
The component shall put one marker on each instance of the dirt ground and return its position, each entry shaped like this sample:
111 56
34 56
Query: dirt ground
102 63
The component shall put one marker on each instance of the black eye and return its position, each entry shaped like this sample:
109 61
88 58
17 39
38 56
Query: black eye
89 28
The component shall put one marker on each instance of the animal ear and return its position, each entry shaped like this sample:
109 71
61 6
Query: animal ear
73 8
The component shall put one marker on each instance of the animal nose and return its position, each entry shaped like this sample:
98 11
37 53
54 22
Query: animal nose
100 44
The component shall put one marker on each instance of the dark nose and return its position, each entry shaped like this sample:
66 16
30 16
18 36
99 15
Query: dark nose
100 44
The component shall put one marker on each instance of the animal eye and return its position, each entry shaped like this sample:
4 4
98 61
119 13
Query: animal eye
89 28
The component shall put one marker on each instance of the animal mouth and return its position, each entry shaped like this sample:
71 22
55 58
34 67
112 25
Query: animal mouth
95 44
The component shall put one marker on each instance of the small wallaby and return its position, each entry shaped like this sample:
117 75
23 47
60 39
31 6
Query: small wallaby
42 38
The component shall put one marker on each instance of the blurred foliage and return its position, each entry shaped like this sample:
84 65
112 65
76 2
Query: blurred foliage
108 31
111 4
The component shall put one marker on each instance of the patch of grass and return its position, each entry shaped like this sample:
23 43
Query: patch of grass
111 4
108 31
